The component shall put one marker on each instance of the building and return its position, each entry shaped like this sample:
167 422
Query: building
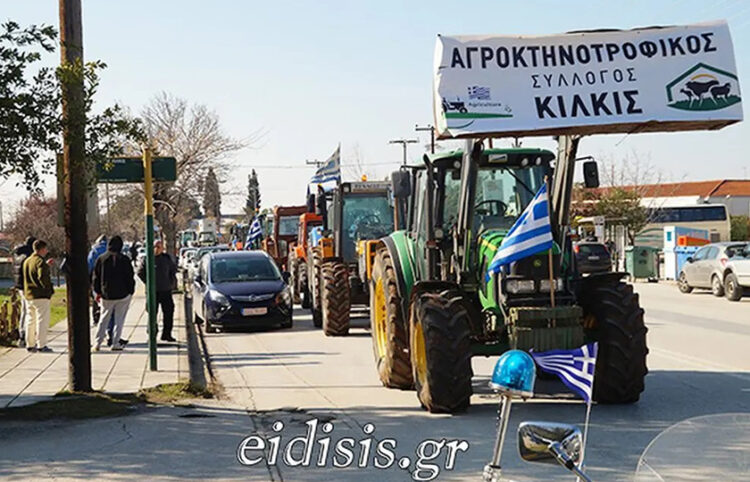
734 194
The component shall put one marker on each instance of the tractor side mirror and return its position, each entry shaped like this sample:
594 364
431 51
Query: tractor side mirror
401 184
590 174
311 203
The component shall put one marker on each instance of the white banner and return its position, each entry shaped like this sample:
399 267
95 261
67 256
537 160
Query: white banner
642 80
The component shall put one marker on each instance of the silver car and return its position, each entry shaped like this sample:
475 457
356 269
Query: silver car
706 268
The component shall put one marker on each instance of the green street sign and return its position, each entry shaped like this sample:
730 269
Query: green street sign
130 169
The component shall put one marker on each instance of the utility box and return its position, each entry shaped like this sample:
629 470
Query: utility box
640 262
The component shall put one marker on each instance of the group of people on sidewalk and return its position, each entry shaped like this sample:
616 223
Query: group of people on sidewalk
113 285
112 288
33 279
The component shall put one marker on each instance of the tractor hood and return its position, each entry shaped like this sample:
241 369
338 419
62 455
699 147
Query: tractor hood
533 267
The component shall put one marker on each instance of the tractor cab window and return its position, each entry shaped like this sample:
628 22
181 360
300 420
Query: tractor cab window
502 193
365 216
288 225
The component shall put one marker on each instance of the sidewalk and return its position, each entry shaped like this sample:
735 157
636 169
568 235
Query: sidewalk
30 377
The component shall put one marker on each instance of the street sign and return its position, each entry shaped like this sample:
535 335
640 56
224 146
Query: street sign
130 169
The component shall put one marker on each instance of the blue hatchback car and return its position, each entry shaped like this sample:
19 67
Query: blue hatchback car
236 289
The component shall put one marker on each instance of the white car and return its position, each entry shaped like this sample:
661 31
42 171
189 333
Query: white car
737 275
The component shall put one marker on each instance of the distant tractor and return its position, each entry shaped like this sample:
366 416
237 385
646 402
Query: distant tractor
298 262
352 213
434 306
283 233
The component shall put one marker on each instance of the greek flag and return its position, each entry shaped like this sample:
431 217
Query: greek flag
574 367
254 232
330 171
530 234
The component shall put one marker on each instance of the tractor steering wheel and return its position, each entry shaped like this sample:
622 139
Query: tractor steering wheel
500 207
371 219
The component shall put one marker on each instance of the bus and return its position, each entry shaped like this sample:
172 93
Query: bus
709 217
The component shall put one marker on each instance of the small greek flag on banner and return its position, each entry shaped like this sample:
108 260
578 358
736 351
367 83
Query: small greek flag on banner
530 234
574 367
255 231
330 171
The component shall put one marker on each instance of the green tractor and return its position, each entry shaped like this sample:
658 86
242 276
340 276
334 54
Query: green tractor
354 214
433 306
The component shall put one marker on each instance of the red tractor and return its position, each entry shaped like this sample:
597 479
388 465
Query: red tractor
284 233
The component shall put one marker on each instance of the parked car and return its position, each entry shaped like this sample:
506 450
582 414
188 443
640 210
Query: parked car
706 268
240 289
184 256
737 274
592 257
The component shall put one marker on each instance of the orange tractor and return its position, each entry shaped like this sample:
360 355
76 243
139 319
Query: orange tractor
297 264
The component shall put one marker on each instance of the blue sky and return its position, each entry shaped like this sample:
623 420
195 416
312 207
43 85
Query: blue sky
315 73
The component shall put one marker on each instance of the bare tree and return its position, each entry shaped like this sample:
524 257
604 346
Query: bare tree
355 165
194 136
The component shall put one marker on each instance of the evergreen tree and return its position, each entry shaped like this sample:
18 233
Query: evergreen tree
211 195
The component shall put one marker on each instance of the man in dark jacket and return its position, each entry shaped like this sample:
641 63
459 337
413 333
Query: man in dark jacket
166 280
20 253
114 285
38 290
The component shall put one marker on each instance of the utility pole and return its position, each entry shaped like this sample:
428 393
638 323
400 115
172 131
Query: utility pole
404 143
75 187
431 128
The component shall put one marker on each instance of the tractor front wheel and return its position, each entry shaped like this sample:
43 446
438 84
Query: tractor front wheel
317 315
336 298
440 351
619 328
303 286
390 341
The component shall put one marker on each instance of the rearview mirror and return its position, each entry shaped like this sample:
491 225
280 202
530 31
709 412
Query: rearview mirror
549 442
590 174
690 259
401 184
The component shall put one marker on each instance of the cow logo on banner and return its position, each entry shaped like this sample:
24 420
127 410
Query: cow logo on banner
703 88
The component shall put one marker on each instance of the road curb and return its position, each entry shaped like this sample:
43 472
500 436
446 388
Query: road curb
198 363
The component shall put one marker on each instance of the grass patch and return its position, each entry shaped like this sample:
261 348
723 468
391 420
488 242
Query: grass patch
75 406
58 306
174 392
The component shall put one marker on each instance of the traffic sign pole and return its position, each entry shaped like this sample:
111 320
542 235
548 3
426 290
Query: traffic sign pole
148 188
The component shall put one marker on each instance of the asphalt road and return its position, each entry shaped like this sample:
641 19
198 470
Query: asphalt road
693 420
699 366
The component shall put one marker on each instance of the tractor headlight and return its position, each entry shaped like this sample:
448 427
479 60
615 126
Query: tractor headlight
517 286
545 284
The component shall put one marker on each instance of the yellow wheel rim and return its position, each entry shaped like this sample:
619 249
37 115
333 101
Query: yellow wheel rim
419 354
380 316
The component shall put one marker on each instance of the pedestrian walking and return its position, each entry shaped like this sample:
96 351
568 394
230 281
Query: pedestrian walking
20 253
38 290
166 281
114 285
99 248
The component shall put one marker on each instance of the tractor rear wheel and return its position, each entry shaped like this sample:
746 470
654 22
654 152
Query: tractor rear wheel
293 267
440 351
315 284
336 298
619 328
303 287
390 341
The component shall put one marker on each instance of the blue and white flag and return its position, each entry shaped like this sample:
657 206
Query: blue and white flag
530 234
330 171
574 367
254 232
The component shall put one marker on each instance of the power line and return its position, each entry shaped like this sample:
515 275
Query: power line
297 166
